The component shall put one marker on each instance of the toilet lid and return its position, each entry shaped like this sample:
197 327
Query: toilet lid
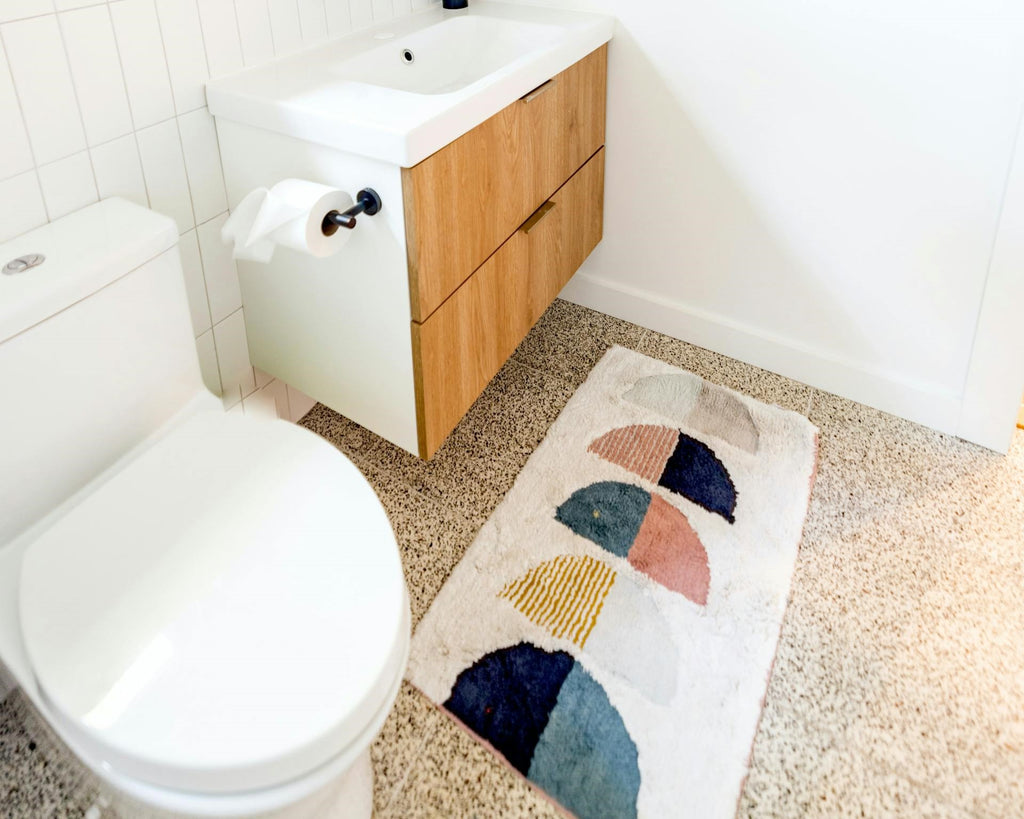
226 613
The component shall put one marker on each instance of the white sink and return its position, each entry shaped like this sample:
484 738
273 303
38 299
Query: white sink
402 90
448 55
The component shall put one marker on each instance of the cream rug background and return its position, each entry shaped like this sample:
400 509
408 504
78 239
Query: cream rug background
693 726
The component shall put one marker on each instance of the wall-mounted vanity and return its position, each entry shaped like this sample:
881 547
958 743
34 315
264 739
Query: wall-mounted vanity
483 133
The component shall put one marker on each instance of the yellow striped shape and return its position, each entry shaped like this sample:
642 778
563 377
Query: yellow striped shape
564 595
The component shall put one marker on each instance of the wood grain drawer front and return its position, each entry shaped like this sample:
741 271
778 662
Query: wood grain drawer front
464 201
460 347
569 227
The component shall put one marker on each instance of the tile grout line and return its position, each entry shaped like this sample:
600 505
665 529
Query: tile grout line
78 101
206 53
298 18
21 110
238 31
174 100
335 35
270 25
131 112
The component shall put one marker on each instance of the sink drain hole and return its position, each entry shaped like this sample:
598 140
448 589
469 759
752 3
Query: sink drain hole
408 57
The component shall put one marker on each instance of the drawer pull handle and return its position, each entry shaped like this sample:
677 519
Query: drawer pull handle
530 96
537 216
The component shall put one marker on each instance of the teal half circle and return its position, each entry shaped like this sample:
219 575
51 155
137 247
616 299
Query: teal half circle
585 758
608 513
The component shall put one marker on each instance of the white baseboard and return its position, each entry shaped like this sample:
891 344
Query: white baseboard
929 404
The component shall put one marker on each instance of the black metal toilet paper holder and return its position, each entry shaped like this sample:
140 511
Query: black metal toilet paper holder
367 201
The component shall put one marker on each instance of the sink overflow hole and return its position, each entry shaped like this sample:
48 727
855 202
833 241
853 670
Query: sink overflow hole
408 57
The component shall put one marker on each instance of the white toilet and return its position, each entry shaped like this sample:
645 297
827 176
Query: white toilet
208 609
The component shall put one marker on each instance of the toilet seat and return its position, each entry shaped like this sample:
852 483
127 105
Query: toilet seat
225 613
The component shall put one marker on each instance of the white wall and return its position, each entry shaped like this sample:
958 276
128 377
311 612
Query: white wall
991 405
105 99
812 187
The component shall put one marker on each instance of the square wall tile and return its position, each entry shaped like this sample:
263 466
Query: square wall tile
39 65
19 9
66 5
233 356
186 57
207 351
402 7
195 284
137 30
15 155
382 10
222 286
202 162
254 30
163 167
312 21
96 71
68 185
118 170
284 22
221 36
21 205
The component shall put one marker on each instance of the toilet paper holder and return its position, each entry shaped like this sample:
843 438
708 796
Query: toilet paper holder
367 201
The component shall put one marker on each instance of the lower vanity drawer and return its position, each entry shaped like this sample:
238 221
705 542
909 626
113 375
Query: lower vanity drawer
463 343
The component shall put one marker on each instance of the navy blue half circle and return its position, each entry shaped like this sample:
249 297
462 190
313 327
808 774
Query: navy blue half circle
695 472
507 696
608 513
586 758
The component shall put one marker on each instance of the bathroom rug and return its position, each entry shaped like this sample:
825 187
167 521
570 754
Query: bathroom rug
610 632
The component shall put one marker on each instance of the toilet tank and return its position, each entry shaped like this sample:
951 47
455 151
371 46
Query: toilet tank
96 352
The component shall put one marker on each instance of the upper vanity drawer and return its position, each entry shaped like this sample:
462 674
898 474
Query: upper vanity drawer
464 201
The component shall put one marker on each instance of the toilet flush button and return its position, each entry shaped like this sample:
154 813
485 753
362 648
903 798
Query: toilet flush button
23 263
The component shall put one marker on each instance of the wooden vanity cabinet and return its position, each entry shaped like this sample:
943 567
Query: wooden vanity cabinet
496 224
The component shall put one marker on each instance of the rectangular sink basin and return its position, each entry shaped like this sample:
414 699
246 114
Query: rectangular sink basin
448 55
401 90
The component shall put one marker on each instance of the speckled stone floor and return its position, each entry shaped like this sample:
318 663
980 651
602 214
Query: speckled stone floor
898 689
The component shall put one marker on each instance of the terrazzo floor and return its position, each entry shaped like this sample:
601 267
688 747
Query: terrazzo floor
898 689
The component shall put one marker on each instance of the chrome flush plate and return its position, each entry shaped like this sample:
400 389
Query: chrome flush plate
23 263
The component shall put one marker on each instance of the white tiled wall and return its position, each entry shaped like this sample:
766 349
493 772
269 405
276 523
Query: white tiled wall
106 98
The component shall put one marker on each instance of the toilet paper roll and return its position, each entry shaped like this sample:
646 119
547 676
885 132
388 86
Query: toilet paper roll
238 229
291 214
